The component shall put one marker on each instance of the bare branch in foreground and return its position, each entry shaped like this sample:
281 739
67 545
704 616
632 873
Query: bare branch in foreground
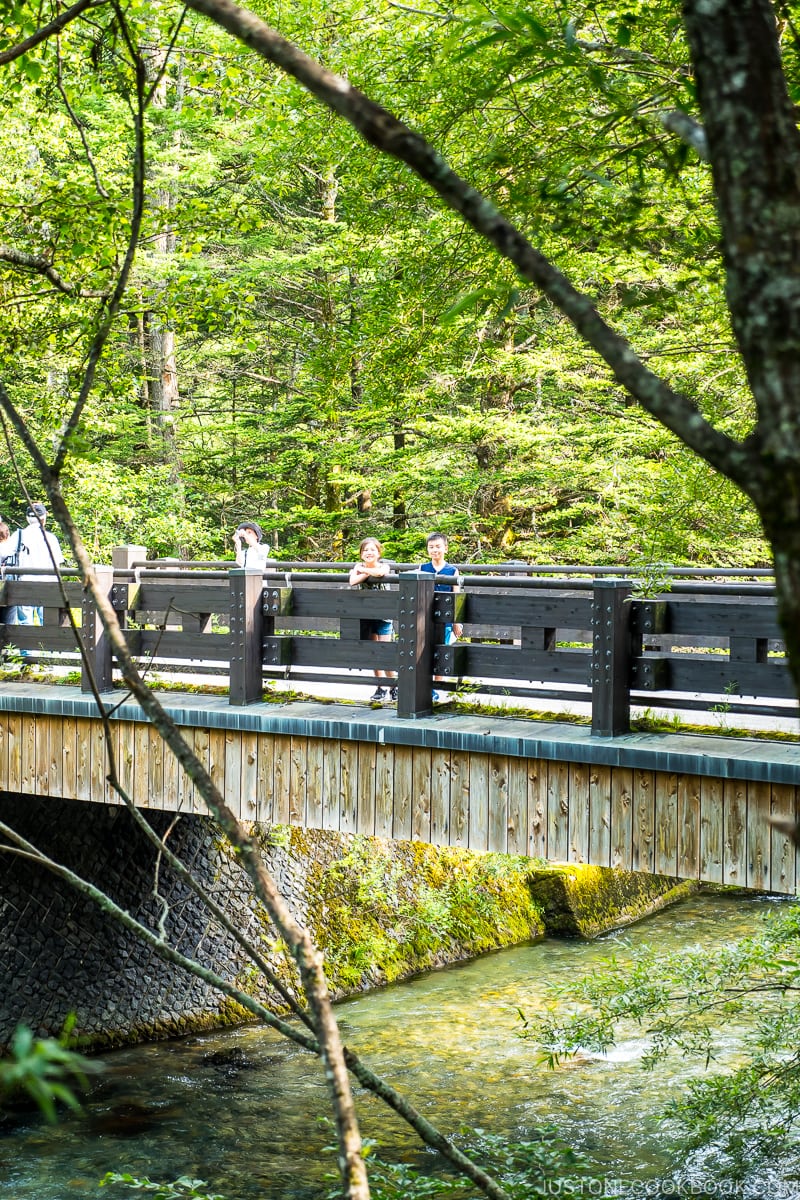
366 1077
305 953
33 262
687 129
115 299
73 116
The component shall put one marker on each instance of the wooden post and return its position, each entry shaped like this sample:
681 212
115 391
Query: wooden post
247 631
611 657
122 559
93 635
415 645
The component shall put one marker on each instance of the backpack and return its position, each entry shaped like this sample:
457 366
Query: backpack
12 560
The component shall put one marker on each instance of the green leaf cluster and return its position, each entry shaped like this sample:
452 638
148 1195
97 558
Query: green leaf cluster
45 1070
742 1111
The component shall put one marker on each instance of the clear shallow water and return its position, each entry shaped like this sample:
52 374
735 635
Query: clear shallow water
447 1040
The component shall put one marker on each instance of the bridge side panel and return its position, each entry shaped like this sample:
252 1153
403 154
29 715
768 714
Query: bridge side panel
735 853
622 818
711 829
683 825
517 806
537 808
558 811
498 803
758 836
579 813
784 811
600 816
441 798
688 828
644 816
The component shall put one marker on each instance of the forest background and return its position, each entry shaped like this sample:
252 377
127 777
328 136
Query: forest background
311 341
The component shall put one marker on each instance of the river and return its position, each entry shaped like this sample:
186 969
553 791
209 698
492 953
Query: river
238 1108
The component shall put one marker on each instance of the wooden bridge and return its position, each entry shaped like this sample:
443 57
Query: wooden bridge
705 643
681 805
710 808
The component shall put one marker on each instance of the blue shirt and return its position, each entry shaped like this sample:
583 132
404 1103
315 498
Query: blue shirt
444 569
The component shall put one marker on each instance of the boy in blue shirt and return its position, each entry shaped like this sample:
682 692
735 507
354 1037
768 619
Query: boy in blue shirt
437 548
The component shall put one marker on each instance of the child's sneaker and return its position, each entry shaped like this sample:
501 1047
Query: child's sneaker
377 696
393 693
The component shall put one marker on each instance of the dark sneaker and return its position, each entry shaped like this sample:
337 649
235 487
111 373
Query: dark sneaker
393 693
378 695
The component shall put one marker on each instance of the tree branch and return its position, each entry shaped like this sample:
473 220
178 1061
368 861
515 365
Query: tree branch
366 1077
115 299
47 31
30 262
687 129
78 124
305 953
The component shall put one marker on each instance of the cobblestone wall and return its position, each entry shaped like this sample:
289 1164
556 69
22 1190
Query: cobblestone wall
59 953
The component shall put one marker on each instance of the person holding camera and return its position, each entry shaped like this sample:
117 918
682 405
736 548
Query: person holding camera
249 549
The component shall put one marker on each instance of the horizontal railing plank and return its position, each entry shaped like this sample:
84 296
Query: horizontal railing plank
722 618
511 662
371 603
191 596
528 608
336 652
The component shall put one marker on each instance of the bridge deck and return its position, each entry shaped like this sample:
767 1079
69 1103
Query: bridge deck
673 804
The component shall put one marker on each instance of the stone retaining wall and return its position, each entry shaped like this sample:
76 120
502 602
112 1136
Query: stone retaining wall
382 911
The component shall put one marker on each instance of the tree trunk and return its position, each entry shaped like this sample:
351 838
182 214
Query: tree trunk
754 150
160 348
399 515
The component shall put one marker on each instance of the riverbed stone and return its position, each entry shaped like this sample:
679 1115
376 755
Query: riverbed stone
578 900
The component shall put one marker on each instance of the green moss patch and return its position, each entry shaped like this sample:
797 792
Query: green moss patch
582 901
383 911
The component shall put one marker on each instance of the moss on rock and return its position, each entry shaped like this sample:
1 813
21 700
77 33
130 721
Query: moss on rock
384 911
583 901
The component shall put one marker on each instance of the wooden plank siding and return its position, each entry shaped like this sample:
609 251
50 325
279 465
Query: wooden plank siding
701 827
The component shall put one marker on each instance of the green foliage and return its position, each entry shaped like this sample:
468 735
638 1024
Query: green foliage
45 1070
183 1188
536 1167
745 1109
347 359
392 913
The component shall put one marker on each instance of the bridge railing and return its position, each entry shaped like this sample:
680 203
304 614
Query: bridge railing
702 645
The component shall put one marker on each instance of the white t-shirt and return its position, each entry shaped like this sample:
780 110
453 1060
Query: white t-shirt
256 557
33 551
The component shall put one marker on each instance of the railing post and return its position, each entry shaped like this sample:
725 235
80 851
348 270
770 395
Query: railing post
97 647
611 657
122 559
415 645
246 634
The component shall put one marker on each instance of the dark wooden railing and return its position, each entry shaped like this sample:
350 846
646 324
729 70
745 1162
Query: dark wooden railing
705 644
